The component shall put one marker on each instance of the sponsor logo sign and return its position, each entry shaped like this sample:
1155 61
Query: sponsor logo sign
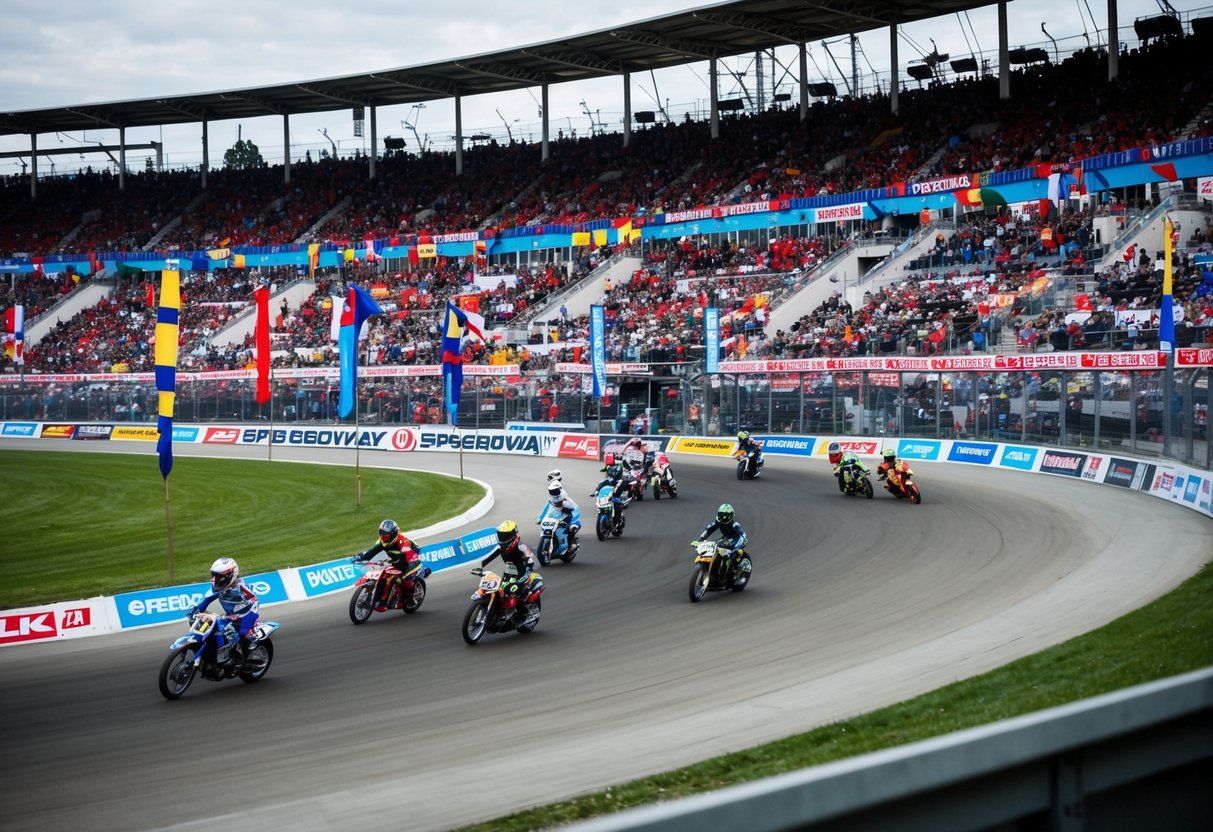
75 618
316 437
328 576
979 453
138 434
919 449
1121 472
58 431
156 606
1057 462
27 429
840 212
403 439
615 443
182 433
940 185
787 445
522 443
28 626
711 339
1192 489
446 553
1194 356
1017 456
579 446
476 545
93 431
710 447
1091 470
855 446
221 436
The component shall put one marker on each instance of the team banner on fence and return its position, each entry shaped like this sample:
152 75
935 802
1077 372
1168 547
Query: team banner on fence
710 447
711 339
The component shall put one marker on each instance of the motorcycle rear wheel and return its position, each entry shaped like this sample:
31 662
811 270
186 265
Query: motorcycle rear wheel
699 584
545 551
414 601
475 622
178 672
656 490
361 604
254 662
741 574
570 553
603 527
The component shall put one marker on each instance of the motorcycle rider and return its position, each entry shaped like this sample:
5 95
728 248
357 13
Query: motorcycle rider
841 460
518 558
401 553
746 444
890 470
240 606
615 477
732 534
561 501
633 454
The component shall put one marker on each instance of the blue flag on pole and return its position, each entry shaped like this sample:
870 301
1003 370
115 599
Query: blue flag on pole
598 349
358 306
168 316
711 339
455 325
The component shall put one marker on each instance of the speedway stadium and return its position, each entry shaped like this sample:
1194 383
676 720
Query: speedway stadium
851 270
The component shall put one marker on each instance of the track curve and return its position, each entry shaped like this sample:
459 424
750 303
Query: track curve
854 604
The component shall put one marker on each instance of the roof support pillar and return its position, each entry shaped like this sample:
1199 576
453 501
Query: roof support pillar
894 72
1113 41
804 81
286 149
459 135
206 152
1004 53
627 109
715 92
543 105
121 159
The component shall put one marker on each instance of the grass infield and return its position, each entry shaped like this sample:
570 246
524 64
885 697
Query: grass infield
79 525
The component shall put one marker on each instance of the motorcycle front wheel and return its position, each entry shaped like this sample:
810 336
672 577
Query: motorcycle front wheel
603 527
414 601
741 470
475 622
258 662
361 605
699 584
656 489
545 551
177 672
867 489
913 493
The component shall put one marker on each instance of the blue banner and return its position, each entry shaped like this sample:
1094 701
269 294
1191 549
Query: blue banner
26 429
598 349
787 445
1017 456
155 606
328 576
711 338
919 449
979 453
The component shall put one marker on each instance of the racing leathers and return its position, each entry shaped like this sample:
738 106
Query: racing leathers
731 533
519 569
565 504
847 460
401 553
241 610
745 447
891 473
621 485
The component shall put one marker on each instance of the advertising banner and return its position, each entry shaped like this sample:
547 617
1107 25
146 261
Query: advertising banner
185 433
328 576
308 437
95 432
156 606
58 431
614 443
859 447
1018 456
978 453
69 619
598 349
711 339
517 442
134 433
709 447
787 445
1093 469
919 449
475 545
1061 462
1124 473
27 430
579 446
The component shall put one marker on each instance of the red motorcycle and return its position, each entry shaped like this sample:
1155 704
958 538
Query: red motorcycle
380 589
899 481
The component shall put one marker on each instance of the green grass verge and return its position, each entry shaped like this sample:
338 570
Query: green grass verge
79 525
1173 635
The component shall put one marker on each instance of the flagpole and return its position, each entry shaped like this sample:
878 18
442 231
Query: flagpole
168 516
270 454
357 446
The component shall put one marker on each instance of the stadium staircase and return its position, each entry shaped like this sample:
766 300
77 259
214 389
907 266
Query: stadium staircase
68 307
336 210
580 296
240 327
173 223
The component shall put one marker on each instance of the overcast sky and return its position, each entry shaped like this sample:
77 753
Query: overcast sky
81 51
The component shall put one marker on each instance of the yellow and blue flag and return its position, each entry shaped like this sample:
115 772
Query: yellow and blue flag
457 323
168 316
357 307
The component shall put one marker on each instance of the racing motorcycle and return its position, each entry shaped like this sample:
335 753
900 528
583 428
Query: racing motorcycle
715 570
900 482
500 605
661 477
637 482
855 482
554 536
380 589
610 520
749 463
197 653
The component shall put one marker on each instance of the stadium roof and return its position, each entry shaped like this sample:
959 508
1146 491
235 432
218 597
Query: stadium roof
715 31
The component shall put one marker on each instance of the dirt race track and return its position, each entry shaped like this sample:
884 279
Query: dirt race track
854 604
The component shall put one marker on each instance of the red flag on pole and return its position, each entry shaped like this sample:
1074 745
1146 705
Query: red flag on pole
262 338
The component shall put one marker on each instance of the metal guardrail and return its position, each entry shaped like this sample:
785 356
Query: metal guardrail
1138 758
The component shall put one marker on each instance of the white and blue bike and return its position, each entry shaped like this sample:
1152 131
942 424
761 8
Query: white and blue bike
210 652
554 535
